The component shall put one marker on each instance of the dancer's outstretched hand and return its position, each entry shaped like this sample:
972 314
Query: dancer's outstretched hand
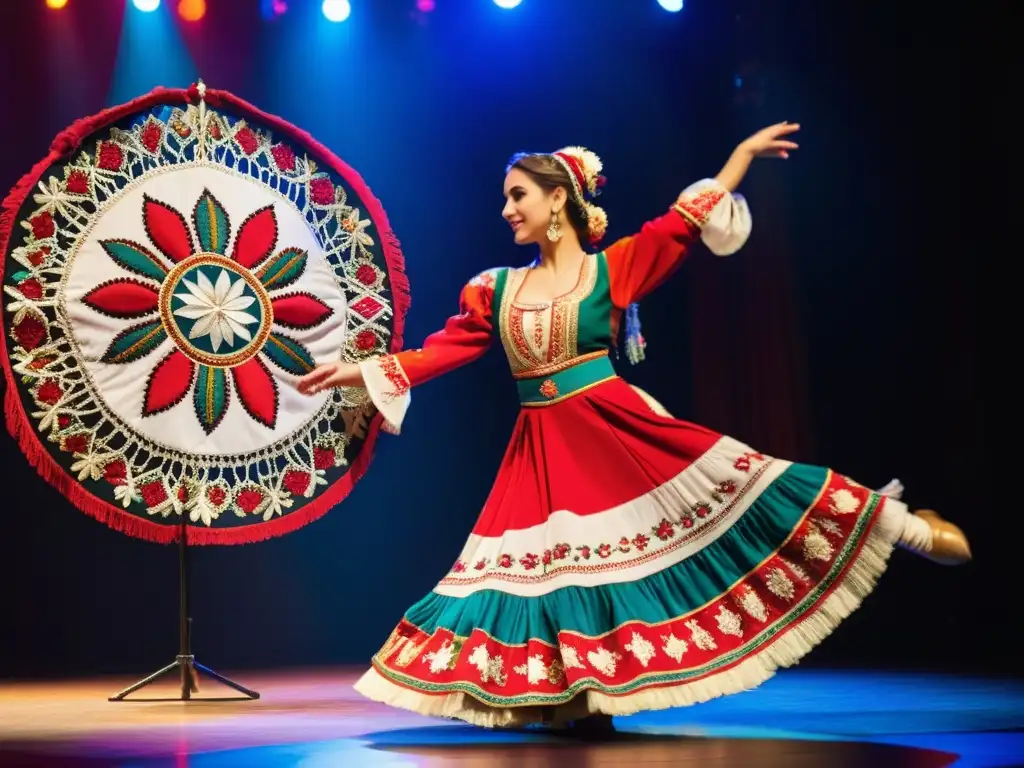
337 374
768 142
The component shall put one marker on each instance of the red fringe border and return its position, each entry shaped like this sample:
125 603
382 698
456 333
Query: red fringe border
20 426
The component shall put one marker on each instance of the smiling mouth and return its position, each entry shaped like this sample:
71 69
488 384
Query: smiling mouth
516 225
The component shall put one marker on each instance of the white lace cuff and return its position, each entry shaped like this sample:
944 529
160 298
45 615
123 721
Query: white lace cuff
388 387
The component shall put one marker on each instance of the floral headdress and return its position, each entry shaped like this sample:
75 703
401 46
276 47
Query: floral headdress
584 169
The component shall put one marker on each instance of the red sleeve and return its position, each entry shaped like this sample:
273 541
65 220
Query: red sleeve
464 338
640 263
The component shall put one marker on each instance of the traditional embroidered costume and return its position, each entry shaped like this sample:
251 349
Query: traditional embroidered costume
624 560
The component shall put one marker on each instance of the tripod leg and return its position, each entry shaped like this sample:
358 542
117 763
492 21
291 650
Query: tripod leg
185 662
229 683
189 678
142 683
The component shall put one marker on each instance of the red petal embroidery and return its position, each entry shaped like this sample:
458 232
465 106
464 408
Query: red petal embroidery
30 332
322 191
151 136
36 258
366 274
49 392
110 156
300 310
31 289
256 238
247 140
366 340
153 493
123 298
257 391
42 226
167 229
296 482
76 443
284 157
116 472
323 458
249 500
78 183
168 384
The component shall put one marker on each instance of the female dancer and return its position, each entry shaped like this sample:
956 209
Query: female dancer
624 560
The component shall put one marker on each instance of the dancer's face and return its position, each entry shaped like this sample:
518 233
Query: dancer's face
528 206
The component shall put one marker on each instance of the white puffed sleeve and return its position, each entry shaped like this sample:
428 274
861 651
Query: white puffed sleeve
723 217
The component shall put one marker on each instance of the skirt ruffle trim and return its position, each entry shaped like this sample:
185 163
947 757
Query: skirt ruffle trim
789 648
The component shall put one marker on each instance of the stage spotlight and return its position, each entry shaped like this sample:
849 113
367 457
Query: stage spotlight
424 6
56 5
192 10
336 10
671 5
507 3
273 8
146 5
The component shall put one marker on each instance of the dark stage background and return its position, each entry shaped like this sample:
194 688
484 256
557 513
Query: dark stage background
846 333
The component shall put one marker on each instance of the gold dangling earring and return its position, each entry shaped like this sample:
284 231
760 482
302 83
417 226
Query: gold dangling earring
554 229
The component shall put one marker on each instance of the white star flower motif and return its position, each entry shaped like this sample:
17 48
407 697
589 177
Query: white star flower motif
53 200
89 466
354 227
217 309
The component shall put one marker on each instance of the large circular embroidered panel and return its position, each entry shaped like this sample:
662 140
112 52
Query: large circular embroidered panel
171 269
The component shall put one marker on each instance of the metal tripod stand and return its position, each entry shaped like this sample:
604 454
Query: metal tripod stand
185 662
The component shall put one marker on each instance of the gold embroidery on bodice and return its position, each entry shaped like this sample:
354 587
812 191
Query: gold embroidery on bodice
542 338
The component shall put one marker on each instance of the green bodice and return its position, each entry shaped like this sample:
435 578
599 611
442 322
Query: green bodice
560 347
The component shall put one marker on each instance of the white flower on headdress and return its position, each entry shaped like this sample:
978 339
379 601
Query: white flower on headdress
597 222
590 163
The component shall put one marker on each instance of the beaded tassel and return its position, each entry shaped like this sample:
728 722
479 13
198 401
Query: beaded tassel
635 343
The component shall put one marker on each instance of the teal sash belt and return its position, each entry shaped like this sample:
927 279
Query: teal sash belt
545 390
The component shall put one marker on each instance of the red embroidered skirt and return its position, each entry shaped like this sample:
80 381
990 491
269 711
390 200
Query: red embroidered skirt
625 560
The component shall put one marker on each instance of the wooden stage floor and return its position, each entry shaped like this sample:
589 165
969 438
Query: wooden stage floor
314 719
